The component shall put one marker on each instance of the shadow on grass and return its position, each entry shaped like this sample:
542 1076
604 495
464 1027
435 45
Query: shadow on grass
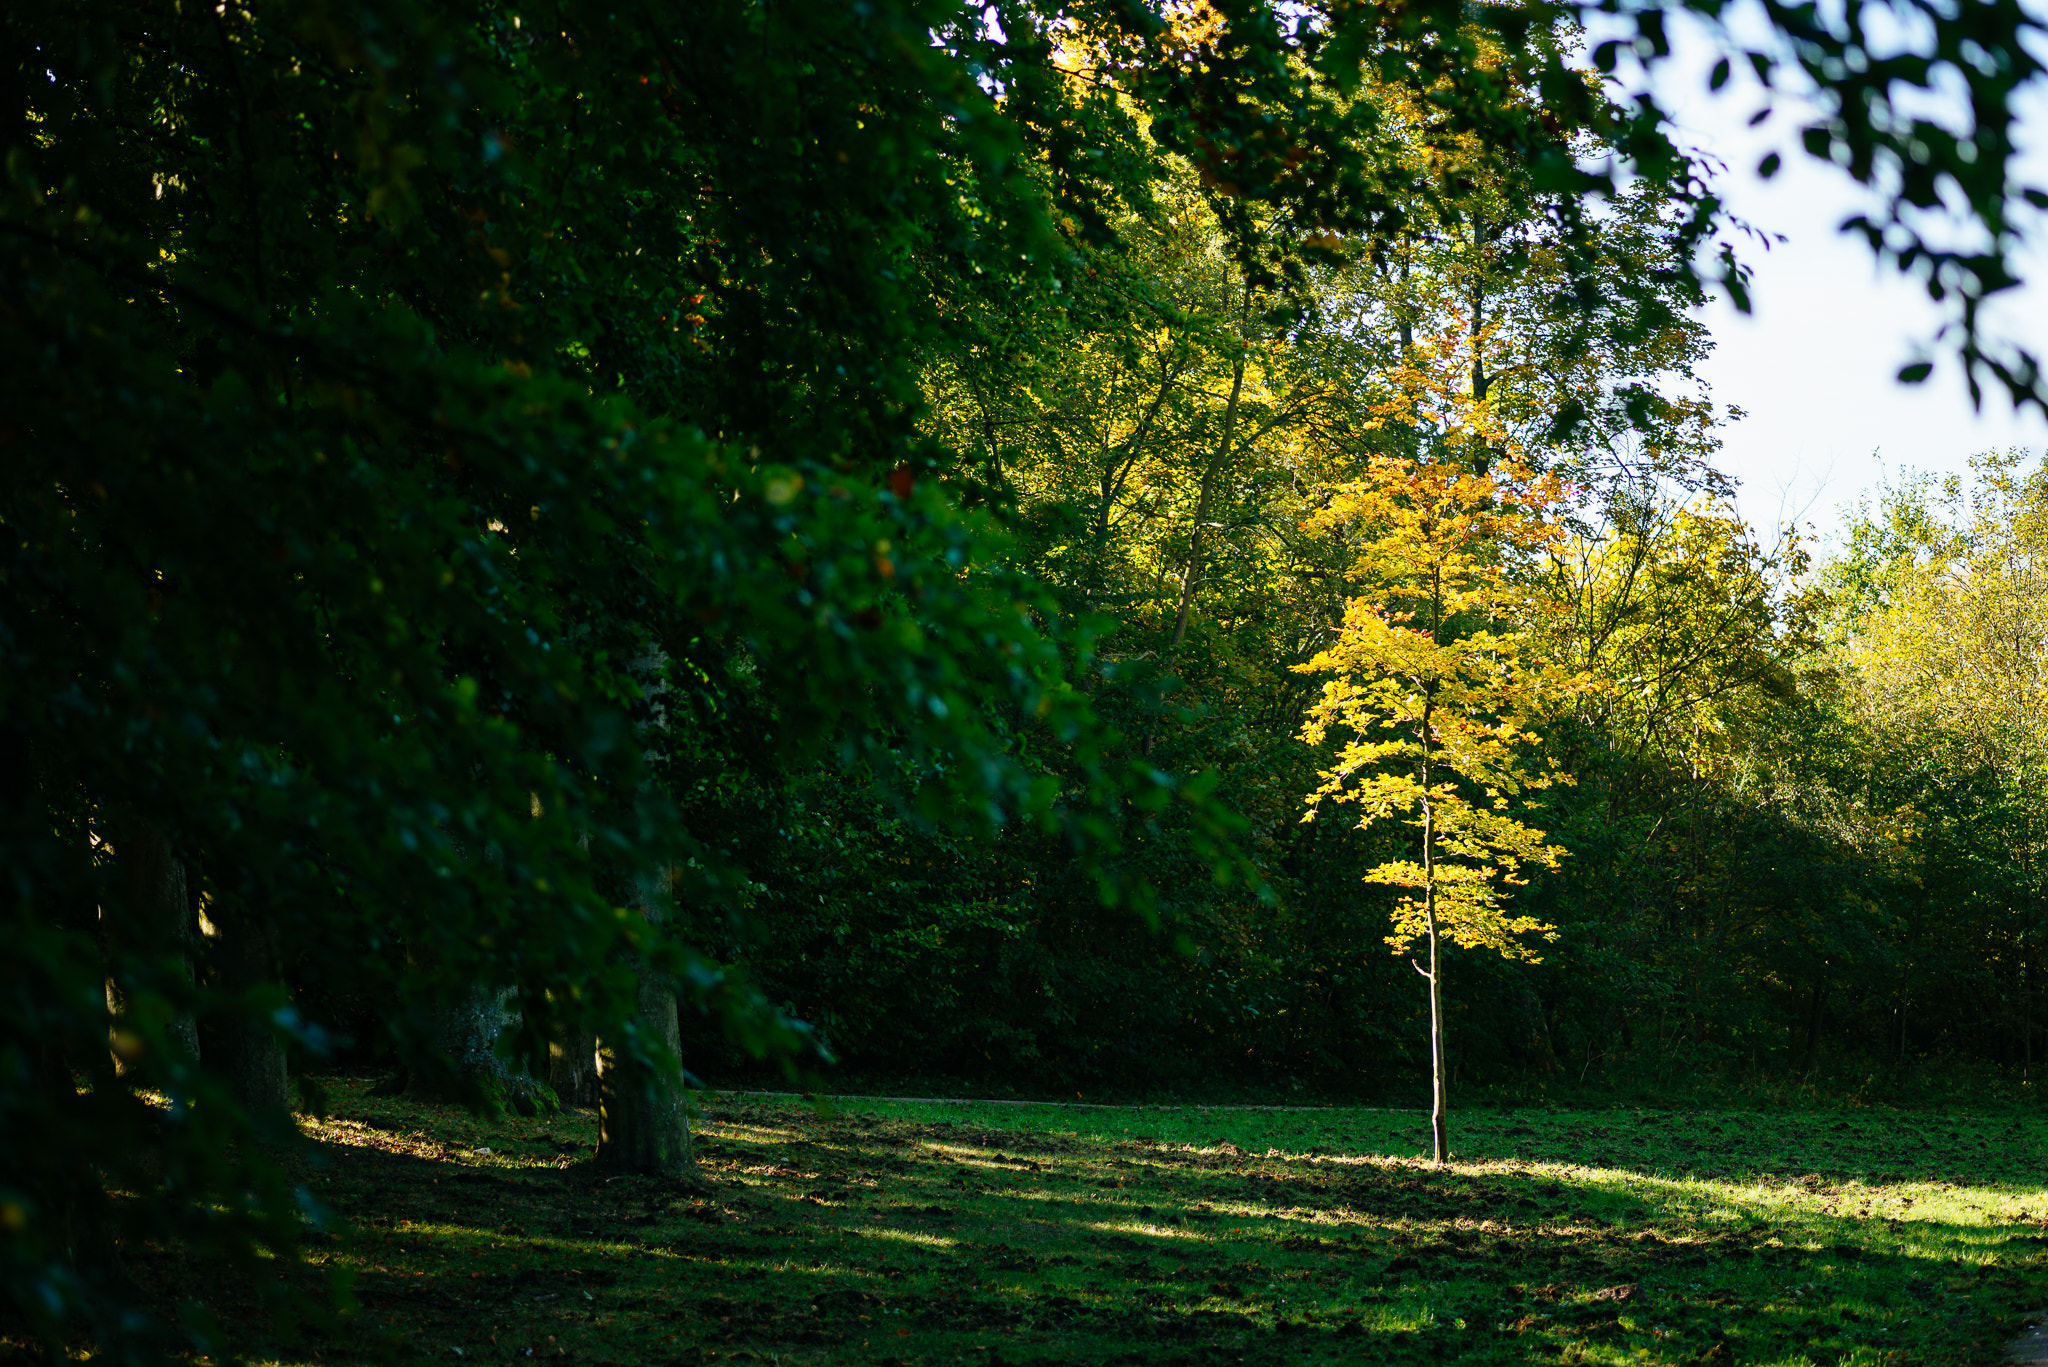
869 1238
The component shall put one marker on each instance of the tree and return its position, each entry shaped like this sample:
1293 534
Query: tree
1949 658
382 380
1701 726
1435 691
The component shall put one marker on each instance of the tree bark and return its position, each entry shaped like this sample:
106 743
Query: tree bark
1439 1138
244 1049
1407 319
1217 460
458 1060
157 921
643 1119
1815 1007
572 1052
2027 1020
72 1221
1438 1125
572 1066
1480 382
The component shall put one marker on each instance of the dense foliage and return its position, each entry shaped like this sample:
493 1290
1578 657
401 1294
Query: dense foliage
516 515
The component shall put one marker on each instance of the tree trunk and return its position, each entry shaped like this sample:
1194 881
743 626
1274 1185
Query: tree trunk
1439 1139
572 1053
1407 319
73 1220
458 1058
1440 1143
451 1054
572 1066
1905 1002
643 1120
1480 382
463 1034
2027 1021
243 1048
1813 1019
157 922
71 1227
1203 499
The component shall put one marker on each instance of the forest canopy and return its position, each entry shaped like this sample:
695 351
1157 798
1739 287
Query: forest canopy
548 545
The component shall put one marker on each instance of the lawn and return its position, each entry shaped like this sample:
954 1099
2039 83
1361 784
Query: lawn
887 1232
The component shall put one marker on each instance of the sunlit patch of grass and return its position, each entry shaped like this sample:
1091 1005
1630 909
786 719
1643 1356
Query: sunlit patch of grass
949 1232
1150 1231
909 1236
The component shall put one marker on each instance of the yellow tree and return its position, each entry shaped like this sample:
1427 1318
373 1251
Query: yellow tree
1434 693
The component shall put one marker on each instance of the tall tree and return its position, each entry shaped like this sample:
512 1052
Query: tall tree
1435 692
381 380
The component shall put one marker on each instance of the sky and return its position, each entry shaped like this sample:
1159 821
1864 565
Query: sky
1813 366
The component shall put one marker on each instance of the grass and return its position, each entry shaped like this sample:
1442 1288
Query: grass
890 1232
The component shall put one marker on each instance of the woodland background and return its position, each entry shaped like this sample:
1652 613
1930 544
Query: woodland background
545 543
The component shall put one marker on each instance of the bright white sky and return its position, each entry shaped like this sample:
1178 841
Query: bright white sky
1814 365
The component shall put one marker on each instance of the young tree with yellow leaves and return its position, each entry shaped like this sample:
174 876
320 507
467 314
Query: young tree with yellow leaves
1434 694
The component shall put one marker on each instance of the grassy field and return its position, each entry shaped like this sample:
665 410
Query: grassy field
890 1232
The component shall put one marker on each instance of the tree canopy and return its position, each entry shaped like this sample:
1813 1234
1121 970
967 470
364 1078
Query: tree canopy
518 515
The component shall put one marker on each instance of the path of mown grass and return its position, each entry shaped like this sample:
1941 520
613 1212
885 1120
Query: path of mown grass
963 1233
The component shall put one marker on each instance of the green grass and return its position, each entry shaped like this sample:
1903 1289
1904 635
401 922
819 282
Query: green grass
963 1233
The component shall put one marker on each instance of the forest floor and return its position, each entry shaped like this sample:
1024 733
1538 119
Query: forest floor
890 1232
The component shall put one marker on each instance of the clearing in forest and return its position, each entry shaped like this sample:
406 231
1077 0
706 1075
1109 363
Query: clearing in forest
888 1232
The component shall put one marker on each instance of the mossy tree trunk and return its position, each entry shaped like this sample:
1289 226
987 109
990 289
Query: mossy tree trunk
643 1117
458 1059
452 1050
643 1120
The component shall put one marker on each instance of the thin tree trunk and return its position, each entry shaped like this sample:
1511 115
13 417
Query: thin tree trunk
2026 1021
1407 320
1438 1130
1117 467
1813 1018
1439 1137
572 1051
1217 459
1905 1002
1480 384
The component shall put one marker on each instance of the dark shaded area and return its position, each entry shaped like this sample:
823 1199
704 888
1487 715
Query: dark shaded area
1708 947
